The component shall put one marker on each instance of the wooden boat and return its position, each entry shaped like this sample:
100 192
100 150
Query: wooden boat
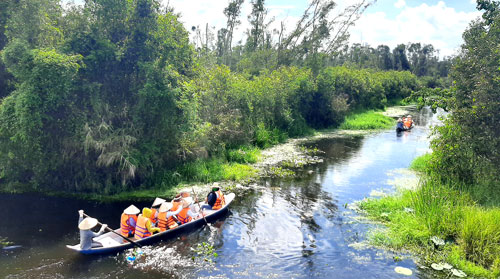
398 130
113 243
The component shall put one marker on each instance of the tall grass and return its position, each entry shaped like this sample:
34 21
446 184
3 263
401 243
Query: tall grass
245 154
367 121
214 170
444 211
421 163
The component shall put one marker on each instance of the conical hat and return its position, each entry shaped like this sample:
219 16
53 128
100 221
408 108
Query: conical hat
158 201
132 210
87 223
166 206
186 202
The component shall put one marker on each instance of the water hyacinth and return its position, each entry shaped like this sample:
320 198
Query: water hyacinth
437 241
403 270
458 273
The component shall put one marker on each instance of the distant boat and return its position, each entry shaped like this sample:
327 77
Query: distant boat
113 243
398 130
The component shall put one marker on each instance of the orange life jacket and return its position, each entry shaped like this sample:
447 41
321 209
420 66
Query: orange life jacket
152 217
141 230
125 226
220 202
183 216
175 205
164 223
408 123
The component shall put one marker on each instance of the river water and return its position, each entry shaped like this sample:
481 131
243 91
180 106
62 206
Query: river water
284 228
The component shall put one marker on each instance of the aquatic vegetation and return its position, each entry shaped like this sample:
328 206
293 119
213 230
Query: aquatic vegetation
367 121
237 172
246 154
310 151
280 172
205 251
4 242
403 270
421 163
443 225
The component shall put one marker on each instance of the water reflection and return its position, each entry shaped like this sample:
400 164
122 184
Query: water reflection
287 228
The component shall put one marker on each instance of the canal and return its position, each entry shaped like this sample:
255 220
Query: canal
284 228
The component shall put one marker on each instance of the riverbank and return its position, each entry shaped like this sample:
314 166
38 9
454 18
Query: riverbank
443 225
286 159
247 165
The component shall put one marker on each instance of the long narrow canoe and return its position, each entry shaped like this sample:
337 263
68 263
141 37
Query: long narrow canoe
113 243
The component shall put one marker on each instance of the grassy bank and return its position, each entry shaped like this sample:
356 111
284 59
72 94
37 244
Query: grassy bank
471 232
368 120
231 165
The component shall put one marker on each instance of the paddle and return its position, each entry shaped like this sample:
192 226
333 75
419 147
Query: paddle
107 228
198 202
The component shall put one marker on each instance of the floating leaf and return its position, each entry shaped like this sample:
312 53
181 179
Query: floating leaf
437 241
447 266
458 273
436 266
403 270
409 210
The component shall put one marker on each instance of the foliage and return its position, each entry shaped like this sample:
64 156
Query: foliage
413 217
366 121
466 149
238 172
206 251
110 96
421 163
245 154
4 242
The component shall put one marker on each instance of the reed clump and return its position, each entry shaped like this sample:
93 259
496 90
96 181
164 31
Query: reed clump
471 231
369 120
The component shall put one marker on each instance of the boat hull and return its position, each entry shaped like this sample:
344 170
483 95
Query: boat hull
114 243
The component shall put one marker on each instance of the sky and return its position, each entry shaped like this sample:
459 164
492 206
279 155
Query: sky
390 22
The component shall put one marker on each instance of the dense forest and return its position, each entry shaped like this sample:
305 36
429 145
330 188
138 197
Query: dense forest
112 95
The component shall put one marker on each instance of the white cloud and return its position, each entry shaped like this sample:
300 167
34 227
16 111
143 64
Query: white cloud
400 4
438 25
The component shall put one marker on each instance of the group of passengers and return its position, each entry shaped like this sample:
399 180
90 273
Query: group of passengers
405 123
160 217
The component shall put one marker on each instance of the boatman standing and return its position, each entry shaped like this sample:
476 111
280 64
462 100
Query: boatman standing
86 235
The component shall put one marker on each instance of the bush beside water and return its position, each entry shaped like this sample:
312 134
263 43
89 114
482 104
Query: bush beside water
447 211
367 121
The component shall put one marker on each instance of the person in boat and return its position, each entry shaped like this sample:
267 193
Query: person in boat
86 235
167 217
128 221
215 199
188 211
154 210
144 226
408 123
400 126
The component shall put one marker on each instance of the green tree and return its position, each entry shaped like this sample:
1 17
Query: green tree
468 146
38 118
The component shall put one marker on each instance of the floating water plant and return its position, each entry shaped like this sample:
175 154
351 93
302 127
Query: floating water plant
437 241
458 273
205 251
437 266
403 270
